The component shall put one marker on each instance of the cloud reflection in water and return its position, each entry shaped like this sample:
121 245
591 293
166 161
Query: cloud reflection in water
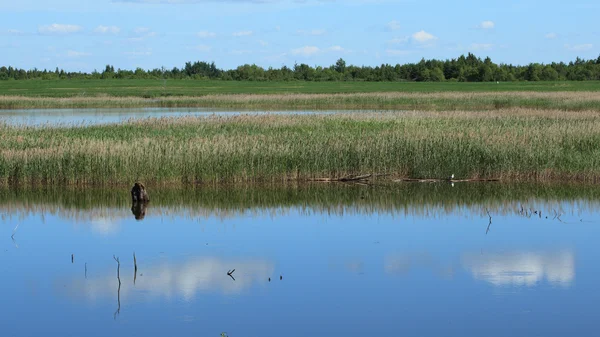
184 280
522 268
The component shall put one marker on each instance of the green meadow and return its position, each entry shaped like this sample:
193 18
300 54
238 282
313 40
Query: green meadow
169 87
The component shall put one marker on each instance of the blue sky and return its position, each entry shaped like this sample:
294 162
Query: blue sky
88 34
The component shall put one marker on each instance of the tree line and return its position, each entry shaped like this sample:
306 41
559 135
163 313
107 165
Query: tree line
469 68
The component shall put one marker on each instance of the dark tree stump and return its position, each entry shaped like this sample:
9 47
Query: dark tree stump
139 200
138 193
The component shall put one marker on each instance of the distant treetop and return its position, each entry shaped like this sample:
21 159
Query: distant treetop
469 68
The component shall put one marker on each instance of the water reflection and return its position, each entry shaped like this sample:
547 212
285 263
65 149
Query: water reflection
83 117
424 200
105 225
384 258
184 280
139 210
523 268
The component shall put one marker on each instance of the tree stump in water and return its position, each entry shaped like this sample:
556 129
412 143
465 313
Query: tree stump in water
139 200
138 193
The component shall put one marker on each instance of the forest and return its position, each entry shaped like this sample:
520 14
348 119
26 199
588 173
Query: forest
469 68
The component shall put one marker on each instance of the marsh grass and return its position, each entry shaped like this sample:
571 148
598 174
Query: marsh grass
510 144
440 101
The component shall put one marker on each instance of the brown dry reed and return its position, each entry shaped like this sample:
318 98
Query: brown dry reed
509 144
568 101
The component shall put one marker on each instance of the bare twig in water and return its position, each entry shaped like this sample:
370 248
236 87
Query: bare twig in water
134 268
86 270
489 224
72 258
230 274
15 231
12 237
119 287
118 268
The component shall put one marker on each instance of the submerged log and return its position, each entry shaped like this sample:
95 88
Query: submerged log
344 179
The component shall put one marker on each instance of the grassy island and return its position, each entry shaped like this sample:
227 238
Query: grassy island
512 144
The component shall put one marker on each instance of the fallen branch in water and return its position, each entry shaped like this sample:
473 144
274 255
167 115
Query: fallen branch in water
343 179
350 178
437 180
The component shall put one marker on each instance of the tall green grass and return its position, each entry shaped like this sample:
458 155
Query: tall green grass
517 144
568 101
152 88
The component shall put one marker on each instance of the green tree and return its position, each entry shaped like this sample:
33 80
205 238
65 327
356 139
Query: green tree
340 66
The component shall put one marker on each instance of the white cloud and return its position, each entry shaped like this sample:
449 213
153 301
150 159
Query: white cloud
206 34
397 52
76 54
241 52
306 51
57 28
314 32
336 49
551 36
487 25
142 34
263 43
138 53
243 33
107 30
423 37
202 48
579 47
481 46
141 30
393 25
399 40
14 32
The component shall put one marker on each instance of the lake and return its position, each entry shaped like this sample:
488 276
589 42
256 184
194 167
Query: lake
473 259
83 117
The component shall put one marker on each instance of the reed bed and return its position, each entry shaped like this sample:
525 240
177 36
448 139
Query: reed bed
441 101
512 144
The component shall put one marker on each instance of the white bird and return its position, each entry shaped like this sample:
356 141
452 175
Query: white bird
452 176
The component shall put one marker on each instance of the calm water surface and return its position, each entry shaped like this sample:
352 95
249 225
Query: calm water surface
404 260
38 117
